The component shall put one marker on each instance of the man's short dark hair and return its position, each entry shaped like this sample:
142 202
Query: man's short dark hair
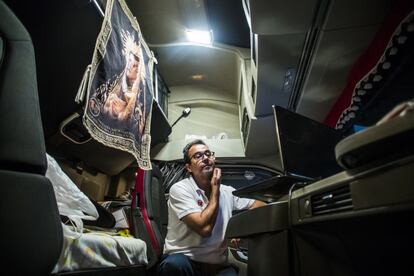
187 159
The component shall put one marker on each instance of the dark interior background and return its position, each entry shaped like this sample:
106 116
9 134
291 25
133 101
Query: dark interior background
63 35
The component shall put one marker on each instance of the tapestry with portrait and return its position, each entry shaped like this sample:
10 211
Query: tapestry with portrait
119 86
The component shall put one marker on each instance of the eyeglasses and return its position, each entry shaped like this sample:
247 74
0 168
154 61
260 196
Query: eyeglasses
199 155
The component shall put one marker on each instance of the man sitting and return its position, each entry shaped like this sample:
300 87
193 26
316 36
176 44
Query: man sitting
199 209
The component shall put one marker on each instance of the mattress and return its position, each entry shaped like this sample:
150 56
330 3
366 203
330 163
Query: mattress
99 249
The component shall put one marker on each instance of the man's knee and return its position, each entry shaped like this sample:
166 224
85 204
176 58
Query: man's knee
175 264
229 271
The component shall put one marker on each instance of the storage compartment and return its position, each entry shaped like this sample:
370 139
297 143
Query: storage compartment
279 33
261 137
279 17
274 66
161 92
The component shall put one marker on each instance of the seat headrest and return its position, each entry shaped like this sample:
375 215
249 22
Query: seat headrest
22 145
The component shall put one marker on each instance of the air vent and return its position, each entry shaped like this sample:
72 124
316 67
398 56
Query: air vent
335 201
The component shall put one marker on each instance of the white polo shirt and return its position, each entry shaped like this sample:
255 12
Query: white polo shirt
185 198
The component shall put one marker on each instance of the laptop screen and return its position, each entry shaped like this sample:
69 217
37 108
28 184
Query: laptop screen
306 147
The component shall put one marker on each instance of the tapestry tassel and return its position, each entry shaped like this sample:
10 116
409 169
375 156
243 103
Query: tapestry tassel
154 58
83 87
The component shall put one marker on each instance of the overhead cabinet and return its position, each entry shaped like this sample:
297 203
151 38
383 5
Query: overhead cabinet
279 31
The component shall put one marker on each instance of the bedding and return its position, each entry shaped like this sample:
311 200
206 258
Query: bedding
382 76
98 249
89 247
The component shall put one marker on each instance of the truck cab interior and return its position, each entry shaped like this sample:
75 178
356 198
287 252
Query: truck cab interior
308 106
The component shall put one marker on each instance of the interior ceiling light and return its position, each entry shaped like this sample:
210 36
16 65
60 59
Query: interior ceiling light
197 77
201 37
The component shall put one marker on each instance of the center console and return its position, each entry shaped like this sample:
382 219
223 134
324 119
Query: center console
355 222
266 230
346 224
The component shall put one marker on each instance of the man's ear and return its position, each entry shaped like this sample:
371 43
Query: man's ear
187 166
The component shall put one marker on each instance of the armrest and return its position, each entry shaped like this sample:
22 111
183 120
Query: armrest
269 218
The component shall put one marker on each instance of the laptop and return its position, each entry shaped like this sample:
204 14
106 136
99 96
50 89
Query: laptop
306 153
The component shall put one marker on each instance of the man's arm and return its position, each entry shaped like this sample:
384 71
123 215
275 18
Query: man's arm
203 222
256 204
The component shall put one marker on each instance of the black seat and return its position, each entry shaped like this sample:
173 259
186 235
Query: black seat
156 203
31 232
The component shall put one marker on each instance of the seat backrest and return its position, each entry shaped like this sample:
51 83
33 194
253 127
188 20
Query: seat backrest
156 203
31 233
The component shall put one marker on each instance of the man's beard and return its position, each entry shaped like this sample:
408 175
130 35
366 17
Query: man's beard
209 174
